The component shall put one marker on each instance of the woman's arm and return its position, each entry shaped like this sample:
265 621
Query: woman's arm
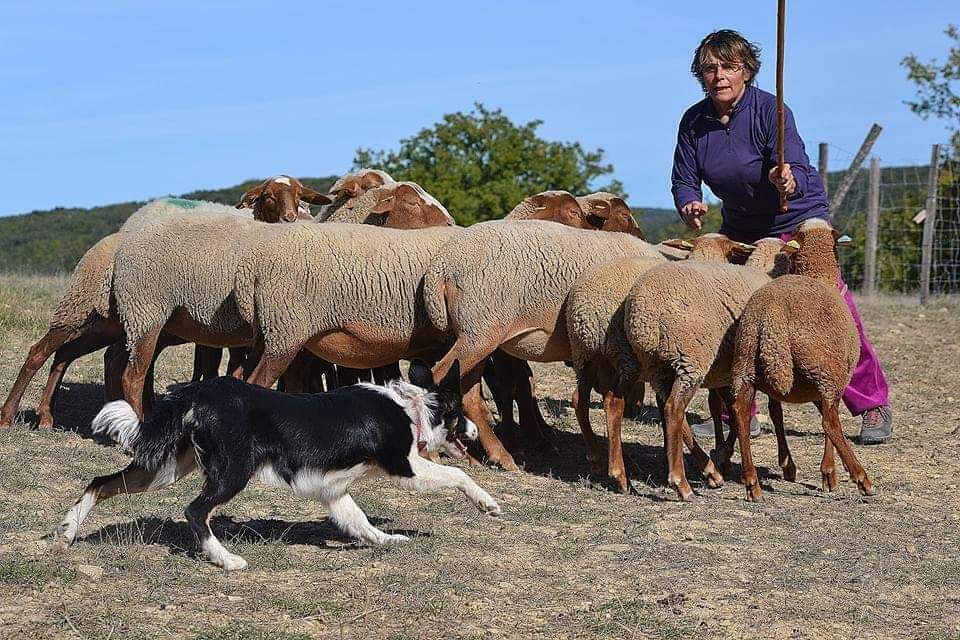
794 154
687 195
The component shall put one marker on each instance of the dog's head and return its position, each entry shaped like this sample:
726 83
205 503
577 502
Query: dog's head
448 427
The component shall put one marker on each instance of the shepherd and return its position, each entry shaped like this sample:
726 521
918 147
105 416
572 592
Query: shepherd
728 141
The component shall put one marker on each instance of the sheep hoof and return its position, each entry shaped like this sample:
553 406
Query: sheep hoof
714 480
45 422
829 480
866 487
6 421
504 461
685 493
789 471
754 494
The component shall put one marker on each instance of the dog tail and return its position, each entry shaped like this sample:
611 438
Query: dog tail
153 441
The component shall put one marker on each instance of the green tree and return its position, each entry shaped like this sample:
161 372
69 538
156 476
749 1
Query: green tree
480 164
937 94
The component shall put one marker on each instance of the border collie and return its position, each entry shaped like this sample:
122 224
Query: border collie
315 444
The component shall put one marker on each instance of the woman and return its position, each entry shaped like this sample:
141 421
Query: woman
728 141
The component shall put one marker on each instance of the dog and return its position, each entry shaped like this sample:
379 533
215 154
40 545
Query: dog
317 445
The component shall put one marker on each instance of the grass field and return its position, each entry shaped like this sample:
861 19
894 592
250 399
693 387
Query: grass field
565 560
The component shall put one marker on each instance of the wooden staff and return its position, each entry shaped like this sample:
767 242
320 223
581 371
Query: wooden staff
781 19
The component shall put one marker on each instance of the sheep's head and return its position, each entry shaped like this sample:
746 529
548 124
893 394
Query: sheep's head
772 255
355 183
711 247
558 206
281 199
609 212
405 205
816 252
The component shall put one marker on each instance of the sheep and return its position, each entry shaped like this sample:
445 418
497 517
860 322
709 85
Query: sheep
503 284
282 199
609 212
349 187
349 293
558 206
602 357
399 205
680 320
797 342
83 323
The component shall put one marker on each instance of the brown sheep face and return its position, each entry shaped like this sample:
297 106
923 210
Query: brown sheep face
608 212
353 184
407 206
559 206
712 247
281 199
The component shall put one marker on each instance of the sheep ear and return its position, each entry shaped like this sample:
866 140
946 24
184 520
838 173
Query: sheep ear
743 247
248 198
385 205
844 241
678 243
790 247
419 374
313 197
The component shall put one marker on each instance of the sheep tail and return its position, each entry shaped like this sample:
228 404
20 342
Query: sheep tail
156 440
244 289
434 295
774 359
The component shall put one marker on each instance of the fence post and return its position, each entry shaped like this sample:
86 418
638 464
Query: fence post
822 166
851 173
873 220
929 224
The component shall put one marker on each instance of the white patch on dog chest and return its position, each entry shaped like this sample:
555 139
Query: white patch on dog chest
282 180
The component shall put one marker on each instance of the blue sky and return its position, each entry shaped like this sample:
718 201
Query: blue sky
113 101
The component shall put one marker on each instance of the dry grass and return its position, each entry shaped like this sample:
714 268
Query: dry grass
566 559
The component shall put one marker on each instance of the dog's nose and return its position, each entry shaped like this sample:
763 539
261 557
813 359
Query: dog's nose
470 430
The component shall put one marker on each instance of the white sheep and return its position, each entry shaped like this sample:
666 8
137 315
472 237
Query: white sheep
680 320
503 284
602 356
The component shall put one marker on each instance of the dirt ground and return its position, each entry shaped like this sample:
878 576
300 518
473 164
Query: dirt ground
567 559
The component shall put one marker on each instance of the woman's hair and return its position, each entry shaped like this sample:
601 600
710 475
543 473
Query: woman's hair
728 46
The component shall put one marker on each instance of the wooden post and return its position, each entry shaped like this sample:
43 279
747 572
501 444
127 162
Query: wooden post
822 166
851 173
929 224
873 220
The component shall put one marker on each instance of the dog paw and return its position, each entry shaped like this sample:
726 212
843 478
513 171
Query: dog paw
59 543
487 505
232 562
394 538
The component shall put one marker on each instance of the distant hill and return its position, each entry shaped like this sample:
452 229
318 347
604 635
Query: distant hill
53 241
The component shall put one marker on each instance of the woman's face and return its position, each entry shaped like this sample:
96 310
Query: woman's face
724 80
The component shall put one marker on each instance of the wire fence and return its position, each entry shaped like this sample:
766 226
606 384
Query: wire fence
902 213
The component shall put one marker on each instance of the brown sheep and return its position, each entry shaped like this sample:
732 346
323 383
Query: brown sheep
797 343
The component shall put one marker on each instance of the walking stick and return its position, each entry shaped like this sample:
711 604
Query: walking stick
781 18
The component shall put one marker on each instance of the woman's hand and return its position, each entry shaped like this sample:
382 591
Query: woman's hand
785 183
691 214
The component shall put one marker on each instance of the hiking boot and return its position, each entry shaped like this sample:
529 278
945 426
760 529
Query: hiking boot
877 425
705 429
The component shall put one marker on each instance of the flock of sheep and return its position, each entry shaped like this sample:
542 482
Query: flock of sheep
388 276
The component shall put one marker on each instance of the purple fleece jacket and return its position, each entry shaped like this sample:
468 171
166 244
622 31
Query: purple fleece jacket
734 161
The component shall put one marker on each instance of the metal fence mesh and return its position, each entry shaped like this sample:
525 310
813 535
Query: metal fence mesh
903 199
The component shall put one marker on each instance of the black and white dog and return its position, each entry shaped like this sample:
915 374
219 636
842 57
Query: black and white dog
315 444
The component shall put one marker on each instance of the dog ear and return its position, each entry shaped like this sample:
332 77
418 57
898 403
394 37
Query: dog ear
451 382
419 374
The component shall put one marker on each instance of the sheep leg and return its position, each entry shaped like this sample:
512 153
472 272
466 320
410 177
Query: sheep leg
238 355
114 362
702 458
634 402
270 368
96 338
661 407
501 384
784 458
383 375
476 410
531 419
206 362
581 406
720 452
681 393
742 405
613 409
834 432
141 360
38 354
